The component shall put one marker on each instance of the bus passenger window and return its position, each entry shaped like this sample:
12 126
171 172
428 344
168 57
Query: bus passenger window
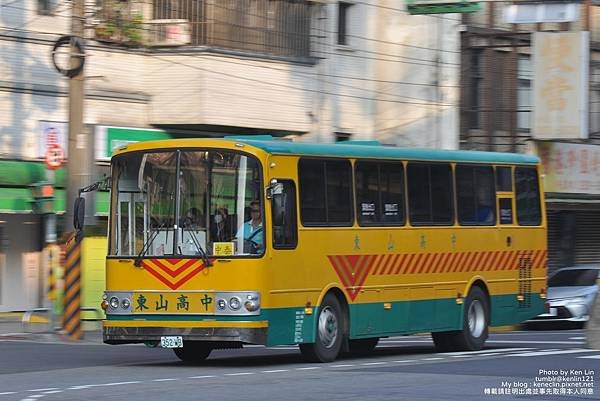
379 193
430 194
503 179
325 192
475 195
527 192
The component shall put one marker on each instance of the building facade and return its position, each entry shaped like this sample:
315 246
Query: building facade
499 103
309 70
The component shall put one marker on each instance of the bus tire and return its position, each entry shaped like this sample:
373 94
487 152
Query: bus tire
193 351
363 346
330 332
476 319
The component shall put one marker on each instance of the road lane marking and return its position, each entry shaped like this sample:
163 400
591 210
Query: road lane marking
202 377
341 366
404 361
535 342
463 356
309 368
576 338
590 357
37 396
239 374
53 392
544 353
43 389
164 380
373 363
485 351
275 371
431 359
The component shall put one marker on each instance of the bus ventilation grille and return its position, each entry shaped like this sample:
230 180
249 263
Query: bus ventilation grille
525 281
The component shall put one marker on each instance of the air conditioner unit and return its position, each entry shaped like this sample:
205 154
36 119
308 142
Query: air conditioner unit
168 32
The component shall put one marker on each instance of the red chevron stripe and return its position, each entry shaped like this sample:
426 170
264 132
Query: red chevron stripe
496 260
415 263
166 268
177 284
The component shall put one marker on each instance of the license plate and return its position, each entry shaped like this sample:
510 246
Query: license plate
171 342
552 311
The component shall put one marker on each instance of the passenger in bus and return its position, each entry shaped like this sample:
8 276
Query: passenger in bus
252 230
193 219
484 212
221 228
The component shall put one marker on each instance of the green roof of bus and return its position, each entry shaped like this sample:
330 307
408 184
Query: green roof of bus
374 150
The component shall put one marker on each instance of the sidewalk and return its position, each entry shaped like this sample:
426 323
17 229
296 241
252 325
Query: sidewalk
36 328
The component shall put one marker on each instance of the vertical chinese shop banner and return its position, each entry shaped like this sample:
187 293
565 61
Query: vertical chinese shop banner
560 85
570 168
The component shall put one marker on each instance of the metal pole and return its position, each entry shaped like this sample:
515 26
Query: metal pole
77 166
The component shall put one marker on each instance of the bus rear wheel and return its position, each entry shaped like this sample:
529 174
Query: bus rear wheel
193 351
475 326
330 332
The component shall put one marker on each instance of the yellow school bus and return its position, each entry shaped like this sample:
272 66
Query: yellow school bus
216 243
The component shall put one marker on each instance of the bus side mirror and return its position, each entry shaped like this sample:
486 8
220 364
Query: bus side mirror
275 188
79 213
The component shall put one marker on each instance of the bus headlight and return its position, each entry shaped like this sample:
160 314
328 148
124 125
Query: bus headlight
235 303
251 306
125 303
114 302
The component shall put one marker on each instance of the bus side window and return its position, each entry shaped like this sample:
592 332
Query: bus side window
527 193
283 207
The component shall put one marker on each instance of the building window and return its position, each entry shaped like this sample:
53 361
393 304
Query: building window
524 94
270 27
476 89
342 136
595 100
45 7
343 9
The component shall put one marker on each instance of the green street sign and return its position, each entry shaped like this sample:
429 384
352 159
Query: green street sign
416 7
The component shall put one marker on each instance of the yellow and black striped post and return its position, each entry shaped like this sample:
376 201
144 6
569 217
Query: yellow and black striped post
72 298
51 278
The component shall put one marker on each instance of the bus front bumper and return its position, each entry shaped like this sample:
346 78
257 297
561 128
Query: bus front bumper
140 332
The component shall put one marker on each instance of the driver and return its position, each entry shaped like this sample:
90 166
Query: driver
253 230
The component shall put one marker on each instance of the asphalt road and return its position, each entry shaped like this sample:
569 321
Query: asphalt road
401 368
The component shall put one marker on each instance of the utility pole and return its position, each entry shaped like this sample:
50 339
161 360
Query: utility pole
78 168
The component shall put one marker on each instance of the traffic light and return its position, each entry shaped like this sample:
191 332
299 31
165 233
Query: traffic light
43 198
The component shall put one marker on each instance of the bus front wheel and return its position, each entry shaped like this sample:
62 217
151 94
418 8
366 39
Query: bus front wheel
193 351
330 333
475 326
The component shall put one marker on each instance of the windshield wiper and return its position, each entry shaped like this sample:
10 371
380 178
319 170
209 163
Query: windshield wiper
146 246
201 250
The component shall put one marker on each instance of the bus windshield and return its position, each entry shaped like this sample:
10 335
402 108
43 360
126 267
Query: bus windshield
186 203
